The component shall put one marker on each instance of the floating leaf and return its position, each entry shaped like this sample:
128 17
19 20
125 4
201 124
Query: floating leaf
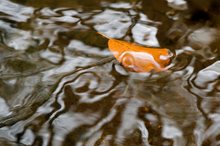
138 58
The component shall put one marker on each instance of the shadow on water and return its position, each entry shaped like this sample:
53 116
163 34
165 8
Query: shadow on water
60 86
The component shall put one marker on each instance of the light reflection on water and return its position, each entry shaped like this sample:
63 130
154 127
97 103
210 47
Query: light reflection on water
55 91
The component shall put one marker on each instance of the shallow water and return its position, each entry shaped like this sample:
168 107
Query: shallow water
60 86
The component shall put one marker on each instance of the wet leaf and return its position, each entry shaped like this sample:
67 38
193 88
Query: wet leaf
138 58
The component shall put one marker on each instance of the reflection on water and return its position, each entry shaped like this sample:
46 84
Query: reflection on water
59 84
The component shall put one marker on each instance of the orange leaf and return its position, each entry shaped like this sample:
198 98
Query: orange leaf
138 58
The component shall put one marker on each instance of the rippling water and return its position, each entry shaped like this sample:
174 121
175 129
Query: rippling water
60 86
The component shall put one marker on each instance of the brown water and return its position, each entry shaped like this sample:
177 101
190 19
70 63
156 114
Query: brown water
58 86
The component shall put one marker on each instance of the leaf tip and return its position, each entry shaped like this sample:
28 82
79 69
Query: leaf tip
103 35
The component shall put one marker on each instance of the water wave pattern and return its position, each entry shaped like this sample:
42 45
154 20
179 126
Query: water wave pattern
60 86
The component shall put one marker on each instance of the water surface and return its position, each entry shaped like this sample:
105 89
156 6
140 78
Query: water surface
59 85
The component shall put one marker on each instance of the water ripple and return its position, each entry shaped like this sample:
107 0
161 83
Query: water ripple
60 85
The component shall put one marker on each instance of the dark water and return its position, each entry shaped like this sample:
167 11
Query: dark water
59 87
